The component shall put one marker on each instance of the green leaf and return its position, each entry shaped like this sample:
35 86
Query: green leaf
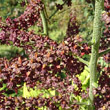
25 91
84 77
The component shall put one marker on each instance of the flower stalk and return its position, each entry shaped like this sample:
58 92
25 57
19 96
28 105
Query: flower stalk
95 50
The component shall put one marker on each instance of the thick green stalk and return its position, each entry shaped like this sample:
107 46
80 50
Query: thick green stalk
44 22
95 49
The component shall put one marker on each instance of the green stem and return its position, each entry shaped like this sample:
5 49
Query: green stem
95 49
56 10
104 52
81 103
53 13
44 22
82 60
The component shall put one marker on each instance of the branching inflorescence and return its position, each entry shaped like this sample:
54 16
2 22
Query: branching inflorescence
49 65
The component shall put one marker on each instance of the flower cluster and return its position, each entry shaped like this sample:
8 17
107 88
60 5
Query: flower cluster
105 41
15 30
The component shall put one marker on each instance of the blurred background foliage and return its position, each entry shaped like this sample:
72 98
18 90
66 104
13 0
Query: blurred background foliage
59 22
10 8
